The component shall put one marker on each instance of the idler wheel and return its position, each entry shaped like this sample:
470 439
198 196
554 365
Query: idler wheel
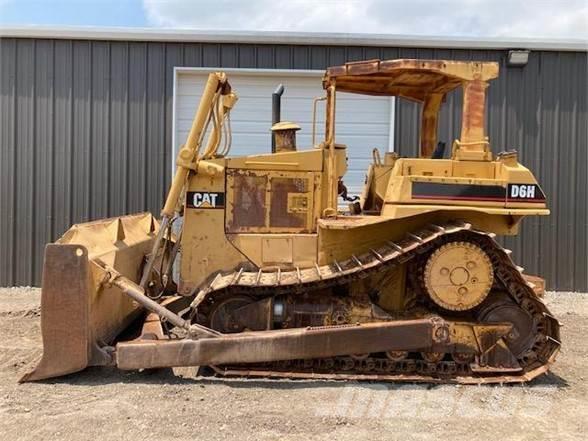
521 336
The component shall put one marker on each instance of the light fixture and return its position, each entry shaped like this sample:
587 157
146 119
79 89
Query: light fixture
517 58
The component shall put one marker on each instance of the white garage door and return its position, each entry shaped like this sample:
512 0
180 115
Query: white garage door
362 122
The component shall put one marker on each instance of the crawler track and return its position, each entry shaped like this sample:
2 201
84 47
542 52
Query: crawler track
539 353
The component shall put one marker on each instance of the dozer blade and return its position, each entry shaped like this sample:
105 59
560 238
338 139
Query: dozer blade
64 313
79 313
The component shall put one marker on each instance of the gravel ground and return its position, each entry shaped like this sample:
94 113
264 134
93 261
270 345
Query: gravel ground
105 404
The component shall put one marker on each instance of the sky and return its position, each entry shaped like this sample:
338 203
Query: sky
548 19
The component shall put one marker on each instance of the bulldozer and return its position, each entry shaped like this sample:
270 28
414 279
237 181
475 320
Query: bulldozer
256 267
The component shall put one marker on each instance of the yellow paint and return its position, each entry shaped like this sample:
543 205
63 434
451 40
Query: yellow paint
307 229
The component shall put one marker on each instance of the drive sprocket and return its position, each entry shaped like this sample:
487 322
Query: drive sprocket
458 276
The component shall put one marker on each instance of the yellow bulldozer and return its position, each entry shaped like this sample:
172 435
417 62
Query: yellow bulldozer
257 269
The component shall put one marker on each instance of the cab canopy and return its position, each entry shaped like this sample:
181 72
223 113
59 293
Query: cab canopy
412 79
427 82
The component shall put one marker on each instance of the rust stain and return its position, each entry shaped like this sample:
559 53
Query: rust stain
280 216
473 109
249 202
409 78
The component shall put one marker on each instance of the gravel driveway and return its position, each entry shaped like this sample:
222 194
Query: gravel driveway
105 404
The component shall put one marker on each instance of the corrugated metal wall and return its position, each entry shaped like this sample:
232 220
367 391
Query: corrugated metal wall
85 132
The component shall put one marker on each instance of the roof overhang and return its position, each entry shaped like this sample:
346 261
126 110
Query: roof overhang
296 38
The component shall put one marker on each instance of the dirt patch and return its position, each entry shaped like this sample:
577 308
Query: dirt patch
103 403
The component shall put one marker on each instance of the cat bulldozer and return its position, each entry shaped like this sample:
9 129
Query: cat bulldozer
256 267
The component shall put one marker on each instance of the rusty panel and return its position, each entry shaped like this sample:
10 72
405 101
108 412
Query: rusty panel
269 201
290 203
247 207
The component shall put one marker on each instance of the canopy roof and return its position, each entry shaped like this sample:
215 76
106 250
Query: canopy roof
412 79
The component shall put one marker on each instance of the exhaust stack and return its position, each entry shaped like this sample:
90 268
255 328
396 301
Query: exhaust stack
276 111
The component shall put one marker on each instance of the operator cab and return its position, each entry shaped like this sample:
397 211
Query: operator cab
426 82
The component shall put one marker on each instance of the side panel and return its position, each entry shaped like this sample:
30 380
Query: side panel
501 184
257 218
271 215
284 250
271 201
205 248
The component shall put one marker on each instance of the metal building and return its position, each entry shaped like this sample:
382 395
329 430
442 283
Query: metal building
90 120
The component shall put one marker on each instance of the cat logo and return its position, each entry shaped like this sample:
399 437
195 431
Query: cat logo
205 199
525 192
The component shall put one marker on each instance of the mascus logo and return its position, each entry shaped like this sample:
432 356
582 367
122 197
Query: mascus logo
525 192
205 199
